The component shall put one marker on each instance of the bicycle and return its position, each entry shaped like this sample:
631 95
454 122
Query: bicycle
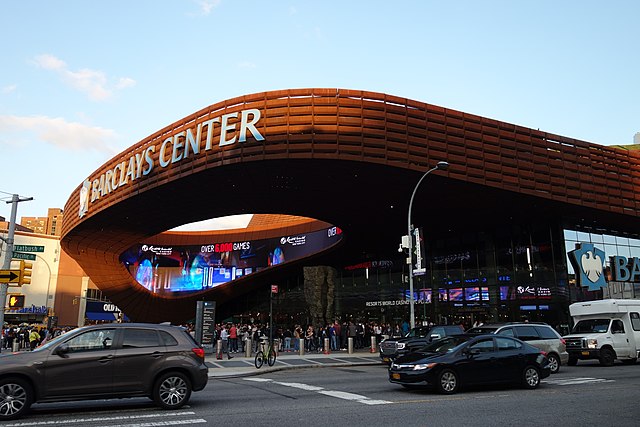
269 357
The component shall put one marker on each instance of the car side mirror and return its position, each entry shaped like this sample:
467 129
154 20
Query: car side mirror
62 350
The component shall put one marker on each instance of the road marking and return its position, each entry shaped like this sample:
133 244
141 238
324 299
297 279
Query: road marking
331 393
576 381
117 418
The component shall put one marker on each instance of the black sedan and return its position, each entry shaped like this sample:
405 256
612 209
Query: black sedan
460 360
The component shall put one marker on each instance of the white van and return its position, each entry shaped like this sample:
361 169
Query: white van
605 330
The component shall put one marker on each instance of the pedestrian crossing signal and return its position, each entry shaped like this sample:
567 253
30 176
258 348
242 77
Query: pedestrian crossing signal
16 301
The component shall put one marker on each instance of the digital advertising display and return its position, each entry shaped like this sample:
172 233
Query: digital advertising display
194 268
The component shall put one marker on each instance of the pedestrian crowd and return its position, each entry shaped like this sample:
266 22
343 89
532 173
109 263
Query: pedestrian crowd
234 337
26 336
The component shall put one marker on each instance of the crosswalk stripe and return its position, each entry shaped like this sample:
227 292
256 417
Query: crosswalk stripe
331 393
576 381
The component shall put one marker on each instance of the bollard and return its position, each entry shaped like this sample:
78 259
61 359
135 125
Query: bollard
219 350
373 344
247 348
16 346
350 346
327 350
301 346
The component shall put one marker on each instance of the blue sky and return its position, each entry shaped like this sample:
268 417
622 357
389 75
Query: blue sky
83 80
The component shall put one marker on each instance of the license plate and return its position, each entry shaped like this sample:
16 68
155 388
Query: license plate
385 359
395 376
585 353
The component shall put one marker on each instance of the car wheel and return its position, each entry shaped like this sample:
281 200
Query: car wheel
531 377
16 397
554 363
172 390
607 356
573 361
448 382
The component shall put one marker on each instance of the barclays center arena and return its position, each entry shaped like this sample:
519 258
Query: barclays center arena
326 177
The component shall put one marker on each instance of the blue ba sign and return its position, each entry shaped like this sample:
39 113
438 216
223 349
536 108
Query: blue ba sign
588 263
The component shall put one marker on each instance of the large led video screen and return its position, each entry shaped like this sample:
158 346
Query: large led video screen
177 269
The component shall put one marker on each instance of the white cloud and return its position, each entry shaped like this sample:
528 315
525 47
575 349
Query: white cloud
206 6
94 83
9 89
57 132
246 64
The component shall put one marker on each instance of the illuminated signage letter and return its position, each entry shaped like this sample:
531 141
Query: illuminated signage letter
164 163
245 124
224 127
191 142
177 145
149 160
620 271
209 125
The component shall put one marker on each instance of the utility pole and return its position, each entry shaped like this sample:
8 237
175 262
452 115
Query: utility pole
9 253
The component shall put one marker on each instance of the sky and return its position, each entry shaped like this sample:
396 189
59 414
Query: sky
84 80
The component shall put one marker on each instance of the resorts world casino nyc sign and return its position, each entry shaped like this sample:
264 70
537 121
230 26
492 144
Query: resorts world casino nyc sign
173 149
588 263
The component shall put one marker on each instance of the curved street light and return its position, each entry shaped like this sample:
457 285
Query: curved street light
441 166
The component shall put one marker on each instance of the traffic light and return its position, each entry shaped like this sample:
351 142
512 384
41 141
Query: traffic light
16 301
25 272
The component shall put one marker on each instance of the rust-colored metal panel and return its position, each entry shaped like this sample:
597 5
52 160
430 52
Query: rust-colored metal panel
345 150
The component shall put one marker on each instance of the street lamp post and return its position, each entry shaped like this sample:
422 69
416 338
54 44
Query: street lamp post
441 166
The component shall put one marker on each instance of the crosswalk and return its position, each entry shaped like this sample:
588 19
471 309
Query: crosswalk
331 393
575 381
126 419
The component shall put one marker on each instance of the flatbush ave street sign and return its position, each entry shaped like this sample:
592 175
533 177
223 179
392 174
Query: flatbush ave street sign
28 248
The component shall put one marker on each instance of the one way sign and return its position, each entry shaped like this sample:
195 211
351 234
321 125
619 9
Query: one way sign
9 276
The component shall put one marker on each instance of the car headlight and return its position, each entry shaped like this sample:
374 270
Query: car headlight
401 345
423 366
592 343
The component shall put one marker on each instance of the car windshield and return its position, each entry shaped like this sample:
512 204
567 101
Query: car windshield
444 345
591 325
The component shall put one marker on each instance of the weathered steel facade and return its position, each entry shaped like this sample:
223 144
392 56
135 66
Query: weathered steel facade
348 158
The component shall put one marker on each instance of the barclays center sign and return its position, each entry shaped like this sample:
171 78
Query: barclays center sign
588 263
229 129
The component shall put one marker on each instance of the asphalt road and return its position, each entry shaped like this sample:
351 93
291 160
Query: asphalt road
584 395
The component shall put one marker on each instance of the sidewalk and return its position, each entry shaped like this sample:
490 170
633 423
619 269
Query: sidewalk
241 366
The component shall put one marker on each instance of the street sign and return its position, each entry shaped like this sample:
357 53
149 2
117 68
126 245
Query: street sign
9 276
28 248
274 289
22 255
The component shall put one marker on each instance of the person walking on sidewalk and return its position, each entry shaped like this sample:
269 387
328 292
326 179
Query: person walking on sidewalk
233 339
224 337
34 338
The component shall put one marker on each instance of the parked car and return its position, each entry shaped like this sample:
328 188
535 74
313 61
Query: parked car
457 361
539 335
392 348
104 361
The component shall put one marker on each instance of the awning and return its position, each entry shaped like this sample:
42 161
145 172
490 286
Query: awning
100 316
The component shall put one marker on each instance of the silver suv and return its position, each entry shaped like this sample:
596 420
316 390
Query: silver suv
112 360
539 335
